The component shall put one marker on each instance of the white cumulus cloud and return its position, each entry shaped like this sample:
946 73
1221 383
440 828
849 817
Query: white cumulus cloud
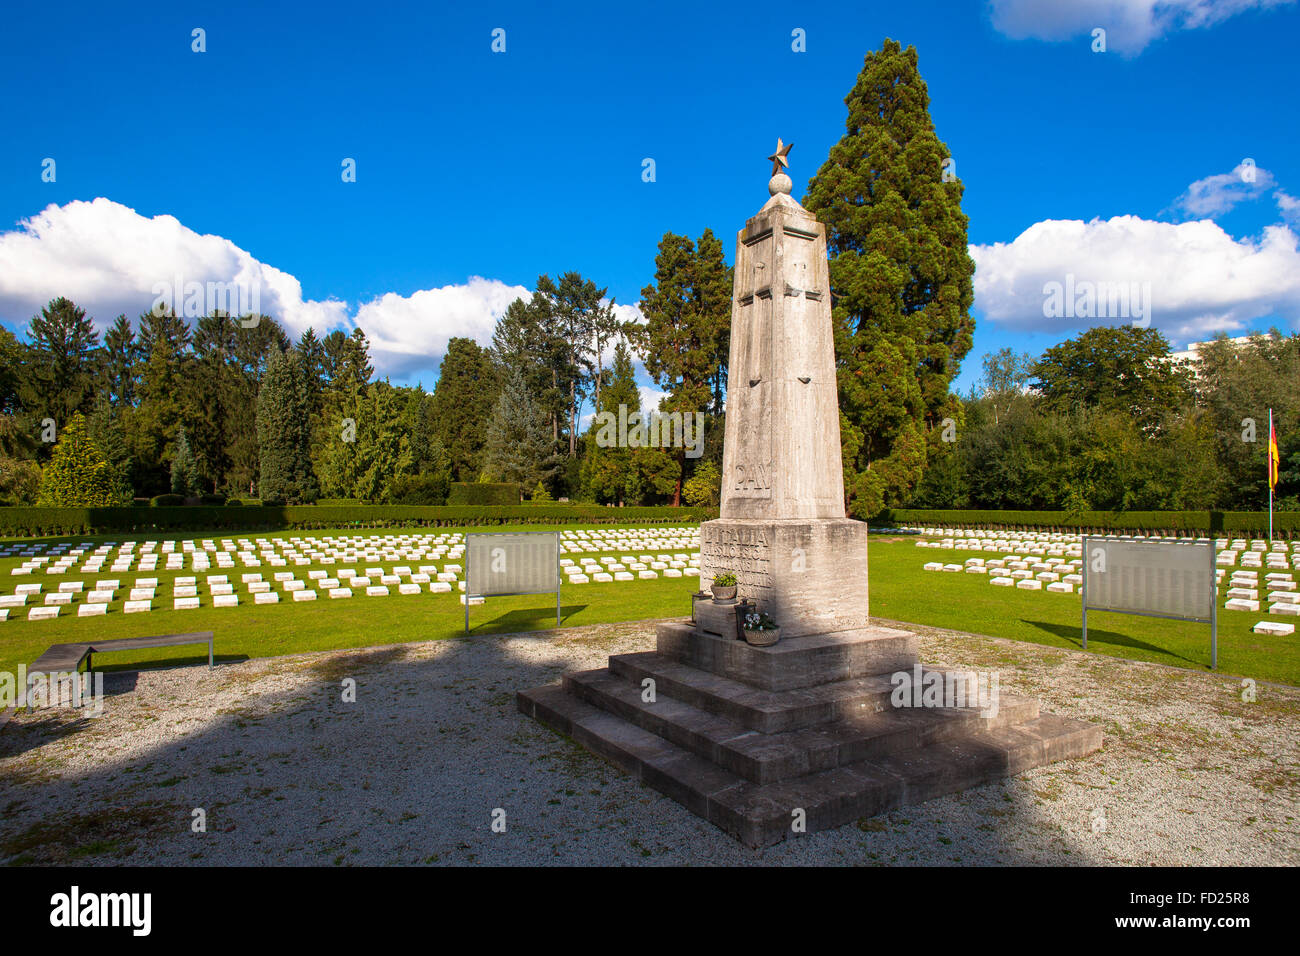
405 331
109 259
1201 279
1130 25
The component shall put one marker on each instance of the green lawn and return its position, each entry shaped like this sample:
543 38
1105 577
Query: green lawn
266 630
900 590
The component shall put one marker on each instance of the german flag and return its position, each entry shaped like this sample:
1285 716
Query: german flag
1274 461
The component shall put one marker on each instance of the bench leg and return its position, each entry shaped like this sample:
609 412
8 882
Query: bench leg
209 655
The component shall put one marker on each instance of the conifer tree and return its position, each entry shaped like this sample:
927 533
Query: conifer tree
185 470
900 278
463 400
121 362
64 357
519 446
284 432
79 473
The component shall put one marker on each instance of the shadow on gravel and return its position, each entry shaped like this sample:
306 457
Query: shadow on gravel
416 771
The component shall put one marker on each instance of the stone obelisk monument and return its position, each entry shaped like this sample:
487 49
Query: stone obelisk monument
807 732
783 530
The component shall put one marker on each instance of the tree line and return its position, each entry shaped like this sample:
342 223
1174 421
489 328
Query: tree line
234 408
1109 421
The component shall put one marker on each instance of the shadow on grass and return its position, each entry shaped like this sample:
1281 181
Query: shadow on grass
1074 635
524 619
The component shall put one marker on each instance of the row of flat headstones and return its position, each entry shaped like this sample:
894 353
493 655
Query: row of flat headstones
208 544
185 591
280 551
1242 594
408 547
319 550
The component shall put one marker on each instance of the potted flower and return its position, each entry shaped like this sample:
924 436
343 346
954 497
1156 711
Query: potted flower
760 630
724 586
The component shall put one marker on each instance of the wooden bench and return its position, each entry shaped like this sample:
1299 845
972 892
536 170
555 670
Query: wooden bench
66 658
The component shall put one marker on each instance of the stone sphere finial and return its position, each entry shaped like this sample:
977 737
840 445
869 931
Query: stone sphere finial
780 182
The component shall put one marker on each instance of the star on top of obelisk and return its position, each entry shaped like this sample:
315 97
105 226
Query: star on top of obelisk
780 182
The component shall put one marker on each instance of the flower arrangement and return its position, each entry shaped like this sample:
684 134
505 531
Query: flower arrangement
724 587
760 630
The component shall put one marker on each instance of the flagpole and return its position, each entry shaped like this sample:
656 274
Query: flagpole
1270 477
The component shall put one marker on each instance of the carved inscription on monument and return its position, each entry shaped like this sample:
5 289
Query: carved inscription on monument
745 552
753 476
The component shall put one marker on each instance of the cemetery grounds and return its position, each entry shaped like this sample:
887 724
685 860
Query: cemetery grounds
1192 772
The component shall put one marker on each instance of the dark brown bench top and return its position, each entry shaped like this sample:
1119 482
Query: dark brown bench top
68 657
60 657
135 643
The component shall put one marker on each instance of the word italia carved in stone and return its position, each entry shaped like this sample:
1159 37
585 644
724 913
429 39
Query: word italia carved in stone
745 553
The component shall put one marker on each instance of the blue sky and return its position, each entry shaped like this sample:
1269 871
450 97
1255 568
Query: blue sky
476 171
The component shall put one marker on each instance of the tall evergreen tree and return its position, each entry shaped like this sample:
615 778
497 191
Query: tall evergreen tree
64 358
255 343
579 316
166 372
185 470
462 404
311 354
216 391
529 341
519 448
367 451
284 432
14 357
900 278
121 362
107 422
332 348
355 367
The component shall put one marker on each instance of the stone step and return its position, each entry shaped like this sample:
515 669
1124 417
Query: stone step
794 662
768 758
768 712
762 814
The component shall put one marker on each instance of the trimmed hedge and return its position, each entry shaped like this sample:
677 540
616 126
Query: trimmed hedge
483 493
1286 524
35 522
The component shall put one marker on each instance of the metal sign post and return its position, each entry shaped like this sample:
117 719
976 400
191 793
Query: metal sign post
1151 579
512 563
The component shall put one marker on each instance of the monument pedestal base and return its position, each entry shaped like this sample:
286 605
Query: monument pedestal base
747 737
808 573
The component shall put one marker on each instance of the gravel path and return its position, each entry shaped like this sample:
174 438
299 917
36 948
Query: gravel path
287 772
